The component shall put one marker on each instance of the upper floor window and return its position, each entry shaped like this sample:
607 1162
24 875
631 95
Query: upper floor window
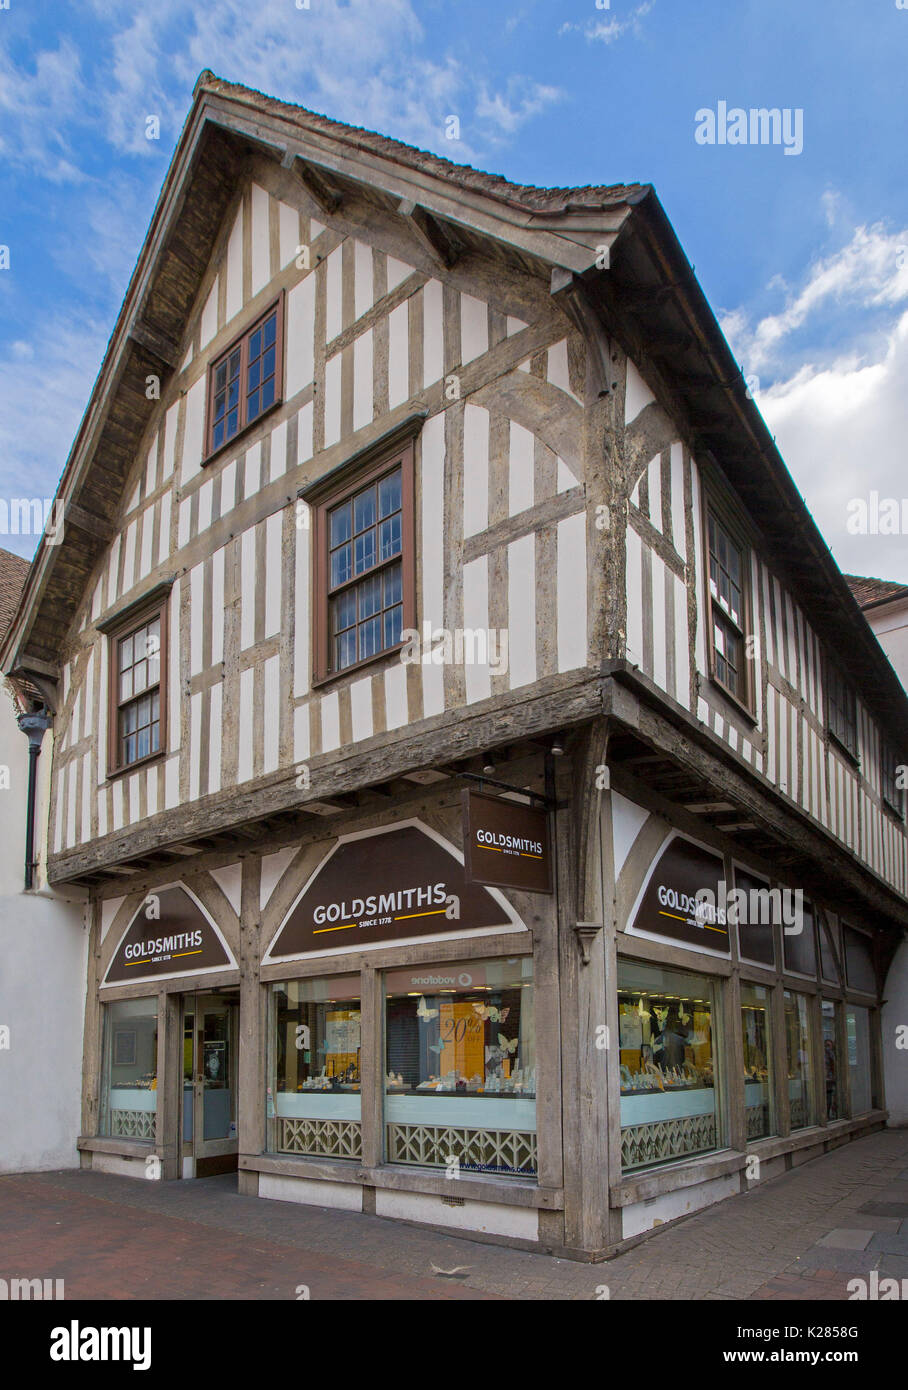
137 714
245 380
364 565
841 713
727 608
893 795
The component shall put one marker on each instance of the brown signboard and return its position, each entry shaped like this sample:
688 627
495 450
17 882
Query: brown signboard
670 905
169 935
506 843
390 886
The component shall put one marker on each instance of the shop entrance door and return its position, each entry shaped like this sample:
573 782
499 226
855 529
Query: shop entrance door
210 1033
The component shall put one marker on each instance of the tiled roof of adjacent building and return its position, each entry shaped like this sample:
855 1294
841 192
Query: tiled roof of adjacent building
869 592
13 570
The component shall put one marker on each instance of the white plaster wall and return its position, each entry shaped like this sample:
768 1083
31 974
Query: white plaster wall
655 1211
43 945
895 1016
340 1195
494 1218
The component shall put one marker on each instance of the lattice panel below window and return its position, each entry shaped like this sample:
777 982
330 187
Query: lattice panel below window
665 1139
320 1138
485 1150
757 1117
132 1124
799 1116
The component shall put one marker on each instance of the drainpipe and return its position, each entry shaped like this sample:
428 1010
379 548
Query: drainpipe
34 726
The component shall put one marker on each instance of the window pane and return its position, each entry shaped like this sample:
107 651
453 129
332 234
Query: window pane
364 509
341 565
370 596
460 1067
857 1031
389 537
220 376
140 676
255 344
232 424
268 366
126 685
313 1097
393 626
667 1062
270 329
128 719
389 494
345 649
393 585
345 610
252 406
364 551
339 520
254 375
268 393
143 744
756 1026
369 638
129 1069
797 1042
233 393
129 754
217 437
125 653
831 1060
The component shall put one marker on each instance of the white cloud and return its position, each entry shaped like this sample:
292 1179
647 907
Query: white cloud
40 111
834 362
608 31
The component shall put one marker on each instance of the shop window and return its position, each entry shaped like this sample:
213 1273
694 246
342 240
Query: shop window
831 1060
859 961
129 1071
727 609
800 1061
799 936
668 1057
364 565
841 714
756 1027
827 958
314 1052
245 380
857 1031
460 1063
137 692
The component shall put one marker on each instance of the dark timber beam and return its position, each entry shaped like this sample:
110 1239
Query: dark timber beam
433 235
158 344
317 185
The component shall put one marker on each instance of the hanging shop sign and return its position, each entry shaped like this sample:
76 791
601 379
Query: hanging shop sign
169 935
685 897
506 843
387 886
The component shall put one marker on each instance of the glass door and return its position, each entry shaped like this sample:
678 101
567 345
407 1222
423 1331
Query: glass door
210 1060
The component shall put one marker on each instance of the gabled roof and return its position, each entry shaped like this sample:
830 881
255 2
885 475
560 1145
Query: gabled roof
649 300
870 593
13 570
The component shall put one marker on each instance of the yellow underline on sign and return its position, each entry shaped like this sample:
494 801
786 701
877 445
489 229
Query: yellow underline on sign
527 854
436 912
139 962
173 956
494 848
677 918
317 931
187 953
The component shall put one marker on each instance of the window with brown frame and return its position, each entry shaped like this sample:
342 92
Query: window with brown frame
890 778
364 584
246 379
841 711
137 688
727 609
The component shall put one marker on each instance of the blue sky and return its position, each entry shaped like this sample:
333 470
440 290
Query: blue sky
804 258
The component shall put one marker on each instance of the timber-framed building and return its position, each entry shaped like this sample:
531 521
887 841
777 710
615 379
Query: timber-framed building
484 782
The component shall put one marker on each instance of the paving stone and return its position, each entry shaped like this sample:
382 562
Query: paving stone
846 1239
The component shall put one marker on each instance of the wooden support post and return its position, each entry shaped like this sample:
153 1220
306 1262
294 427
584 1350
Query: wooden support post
251 1107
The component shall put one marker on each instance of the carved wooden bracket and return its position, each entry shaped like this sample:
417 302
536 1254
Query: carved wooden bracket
586 934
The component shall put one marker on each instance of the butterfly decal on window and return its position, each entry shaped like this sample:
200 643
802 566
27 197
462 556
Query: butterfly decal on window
423 1012
506 1046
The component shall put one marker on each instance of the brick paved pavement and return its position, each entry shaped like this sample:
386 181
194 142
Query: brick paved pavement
801 1236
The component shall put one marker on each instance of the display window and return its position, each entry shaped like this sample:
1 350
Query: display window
831 1060
129 1071
857 1031
799 943
668 1057
797 1042
460 1064
314 1047
756 1028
